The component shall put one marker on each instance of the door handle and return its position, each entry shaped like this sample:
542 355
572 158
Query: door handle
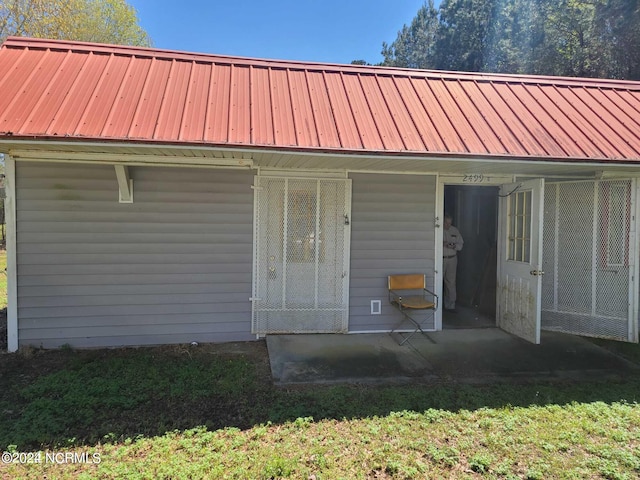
536 273
272 272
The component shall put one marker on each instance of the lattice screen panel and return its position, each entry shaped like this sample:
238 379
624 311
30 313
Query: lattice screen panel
587 258
300 256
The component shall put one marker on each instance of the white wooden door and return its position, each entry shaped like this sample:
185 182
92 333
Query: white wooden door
301 265
520 258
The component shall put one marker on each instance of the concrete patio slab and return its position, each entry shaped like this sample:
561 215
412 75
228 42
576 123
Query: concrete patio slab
459 355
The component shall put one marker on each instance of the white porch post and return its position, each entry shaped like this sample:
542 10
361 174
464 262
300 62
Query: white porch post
12 284
437 267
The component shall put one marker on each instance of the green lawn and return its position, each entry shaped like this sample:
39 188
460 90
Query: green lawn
211 412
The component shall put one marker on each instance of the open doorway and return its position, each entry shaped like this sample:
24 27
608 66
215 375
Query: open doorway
474 210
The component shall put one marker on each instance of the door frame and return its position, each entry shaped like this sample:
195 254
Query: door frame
302 175
443 180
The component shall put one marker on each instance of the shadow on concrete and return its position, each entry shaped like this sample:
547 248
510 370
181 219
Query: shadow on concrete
466 317
475 356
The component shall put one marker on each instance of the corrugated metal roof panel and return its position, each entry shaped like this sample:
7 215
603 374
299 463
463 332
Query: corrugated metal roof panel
539 123
513 126
303 120
261 122
239 113
195 110
145 119
441 119
322 113
495 118
604 109
217 119
429 136
362 114
560 110
467 101
71 90
382 114
77 98
403 124
97 111
594 121
119 120
283 126
339 103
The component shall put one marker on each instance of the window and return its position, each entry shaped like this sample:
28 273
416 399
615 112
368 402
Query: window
519 227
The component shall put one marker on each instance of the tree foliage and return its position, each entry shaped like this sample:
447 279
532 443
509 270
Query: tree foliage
415 45
593 38
101 21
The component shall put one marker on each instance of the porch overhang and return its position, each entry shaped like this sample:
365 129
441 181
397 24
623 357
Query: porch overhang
202 156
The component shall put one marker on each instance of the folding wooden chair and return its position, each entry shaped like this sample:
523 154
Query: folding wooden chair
409 294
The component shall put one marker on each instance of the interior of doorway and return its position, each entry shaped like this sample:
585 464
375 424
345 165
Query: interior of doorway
474 210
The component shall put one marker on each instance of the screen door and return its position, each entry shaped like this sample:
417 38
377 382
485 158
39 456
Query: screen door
301 261
590 259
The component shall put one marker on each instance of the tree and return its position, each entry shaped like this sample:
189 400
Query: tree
463 32
617 27
591 38
101 21
415 45
515 37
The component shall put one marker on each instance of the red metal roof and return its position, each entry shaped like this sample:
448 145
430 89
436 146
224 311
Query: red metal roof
92 92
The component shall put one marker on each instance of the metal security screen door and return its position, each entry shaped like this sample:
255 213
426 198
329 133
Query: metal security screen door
301 264
520 259
589 259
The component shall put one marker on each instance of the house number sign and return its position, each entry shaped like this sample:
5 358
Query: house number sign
473 178
476 179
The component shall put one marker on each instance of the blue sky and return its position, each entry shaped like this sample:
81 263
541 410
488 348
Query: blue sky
335 31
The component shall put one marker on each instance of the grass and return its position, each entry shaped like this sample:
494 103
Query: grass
211 412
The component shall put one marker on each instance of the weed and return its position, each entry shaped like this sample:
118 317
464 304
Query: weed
446 456
278 467
480 463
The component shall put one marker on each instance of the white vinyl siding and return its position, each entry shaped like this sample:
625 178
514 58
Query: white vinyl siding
392 231
172 267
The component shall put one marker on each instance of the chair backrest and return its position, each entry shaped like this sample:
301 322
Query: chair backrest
412 281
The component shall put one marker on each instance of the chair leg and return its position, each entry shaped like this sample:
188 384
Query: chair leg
417 327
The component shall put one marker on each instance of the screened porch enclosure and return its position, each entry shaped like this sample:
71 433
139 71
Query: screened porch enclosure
589 254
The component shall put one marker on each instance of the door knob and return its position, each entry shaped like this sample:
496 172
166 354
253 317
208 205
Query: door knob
536 273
